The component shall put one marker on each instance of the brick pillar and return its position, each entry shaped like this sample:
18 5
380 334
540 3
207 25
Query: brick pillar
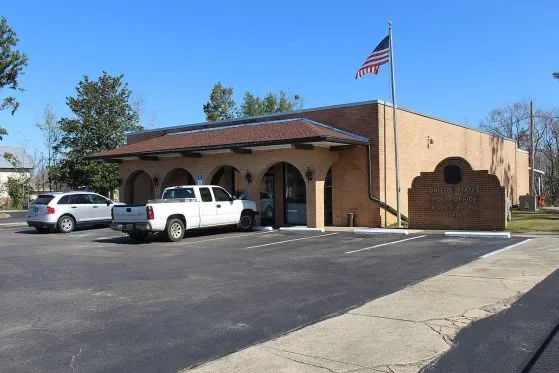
315 204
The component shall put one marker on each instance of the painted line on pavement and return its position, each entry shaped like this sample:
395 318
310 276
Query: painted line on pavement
223 238
504 248
295 239
384 244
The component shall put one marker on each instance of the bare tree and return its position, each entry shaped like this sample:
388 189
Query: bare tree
51 137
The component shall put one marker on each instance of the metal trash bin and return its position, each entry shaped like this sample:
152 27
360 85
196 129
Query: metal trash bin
350 219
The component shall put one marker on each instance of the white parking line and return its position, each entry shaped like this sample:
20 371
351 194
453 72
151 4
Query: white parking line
295 239
223 238
384 244
504 248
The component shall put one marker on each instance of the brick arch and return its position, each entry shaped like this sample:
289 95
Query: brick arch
139 187
177 176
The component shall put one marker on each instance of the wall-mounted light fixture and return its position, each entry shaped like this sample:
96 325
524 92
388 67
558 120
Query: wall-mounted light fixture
155 180
308 173
248 177
430 141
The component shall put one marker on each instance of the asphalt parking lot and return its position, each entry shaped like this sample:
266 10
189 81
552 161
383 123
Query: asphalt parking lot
93 300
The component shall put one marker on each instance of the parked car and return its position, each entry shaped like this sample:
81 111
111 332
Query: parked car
64 211
182 208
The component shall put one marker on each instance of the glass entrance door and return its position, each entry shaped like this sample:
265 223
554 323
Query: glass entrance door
267 205
295 201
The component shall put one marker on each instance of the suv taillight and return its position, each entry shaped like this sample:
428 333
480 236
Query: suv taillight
149 211
50 210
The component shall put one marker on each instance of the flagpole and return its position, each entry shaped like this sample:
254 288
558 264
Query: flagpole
394 116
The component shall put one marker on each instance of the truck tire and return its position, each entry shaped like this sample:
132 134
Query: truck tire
174 231
246 222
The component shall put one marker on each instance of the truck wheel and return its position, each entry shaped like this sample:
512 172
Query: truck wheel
246 222
174 230
66 224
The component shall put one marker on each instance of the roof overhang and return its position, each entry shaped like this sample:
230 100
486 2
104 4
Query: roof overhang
332 144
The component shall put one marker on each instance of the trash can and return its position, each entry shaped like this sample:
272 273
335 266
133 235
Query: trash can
350 219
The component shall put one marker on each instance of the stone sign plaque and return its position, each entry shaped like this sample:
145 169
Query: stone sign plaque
455 196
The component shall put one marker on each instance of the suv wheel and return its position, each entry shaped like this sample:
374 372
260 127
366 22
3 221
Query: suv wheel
66 224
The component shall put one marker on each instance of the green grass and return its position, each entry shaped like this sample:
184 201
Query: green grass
544 220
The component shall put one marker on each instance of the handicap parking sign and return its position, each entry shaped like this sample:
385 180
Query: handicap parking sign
199 180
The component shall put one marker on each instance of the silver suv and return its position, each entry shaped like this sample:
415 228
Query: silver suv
64 211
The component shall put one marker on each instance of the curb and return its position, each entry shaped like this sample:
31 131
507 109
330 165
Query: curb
371 231
13 225
259 228
478 234
3 215
301 229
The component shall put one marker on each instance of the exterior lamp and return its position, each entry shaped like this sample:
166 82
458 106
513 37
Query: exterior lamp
308 173
248 177
155 181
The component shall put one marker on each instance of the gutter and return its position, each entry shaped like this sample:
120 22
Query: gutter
388 208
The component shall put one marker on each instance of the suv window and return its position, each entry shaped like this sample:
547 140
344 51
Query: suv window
79 199
64 200
43 199
94 198
221 195
179 193
206 195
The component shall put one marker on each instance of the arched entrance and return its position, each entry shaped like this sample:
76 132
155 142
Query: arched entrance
230 179
283 196
175 177
138 188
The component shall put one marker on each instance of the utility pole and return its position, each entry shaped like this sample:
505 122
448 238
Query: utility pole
532 150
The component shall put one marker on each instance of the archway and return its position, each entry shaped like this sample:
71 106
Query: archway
138 188
229 178
283 196
175 177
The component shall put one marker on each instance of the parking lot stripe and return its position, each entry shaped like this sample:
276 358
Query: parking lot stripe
295 239
384 244
224 238
504 248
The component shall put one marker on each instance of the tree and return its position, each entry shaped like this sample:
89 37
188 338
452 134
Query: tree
103 114
221 104
51 137
12 62
269 104
556 75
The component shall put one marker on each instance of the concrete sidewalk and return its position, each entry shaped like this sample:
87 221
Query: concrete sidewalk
406 330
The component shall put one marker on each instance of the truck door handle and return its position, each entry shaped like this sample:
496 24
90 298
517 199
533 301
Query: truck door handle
218 206
95 207
74 207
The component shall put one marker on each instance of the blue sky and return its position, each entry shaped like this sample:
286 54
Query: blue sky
454 59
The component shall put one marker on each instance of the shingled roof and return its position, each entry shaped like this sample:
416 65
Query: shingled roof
288 131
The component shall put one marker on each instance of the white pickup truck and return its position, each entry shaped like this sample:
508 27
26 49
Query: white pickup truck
181 208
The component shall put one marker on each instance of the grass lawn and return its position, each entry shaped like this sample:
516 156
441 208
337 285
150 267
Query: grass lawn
544 220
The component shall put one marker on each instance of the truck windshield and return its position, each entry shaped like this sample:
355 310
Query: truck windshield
178 193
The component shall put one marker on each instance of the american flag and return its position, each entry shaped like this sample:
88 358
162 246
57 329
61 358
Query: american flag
378 57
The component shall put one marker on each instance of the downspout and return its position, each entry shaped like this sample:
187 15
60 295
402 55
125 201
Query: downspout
388 208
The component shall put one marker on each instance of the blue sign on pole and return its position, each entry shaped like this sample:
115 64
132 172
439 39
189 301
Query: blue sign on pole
200 180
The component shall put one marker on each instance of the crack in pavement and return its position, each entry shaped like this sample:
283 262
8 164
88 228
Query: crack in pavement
74 360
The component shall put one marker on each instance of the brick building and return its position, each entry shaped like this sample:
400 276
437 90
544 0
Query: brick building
313 166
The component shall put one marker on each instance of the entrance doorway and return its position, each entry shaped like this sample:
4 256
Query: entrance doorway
328 215
283 199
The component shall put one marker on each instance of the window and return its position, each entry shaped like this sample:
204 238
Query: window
65 200
452 174
206 195
43 199
221 195
94 198
79 199
179 193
